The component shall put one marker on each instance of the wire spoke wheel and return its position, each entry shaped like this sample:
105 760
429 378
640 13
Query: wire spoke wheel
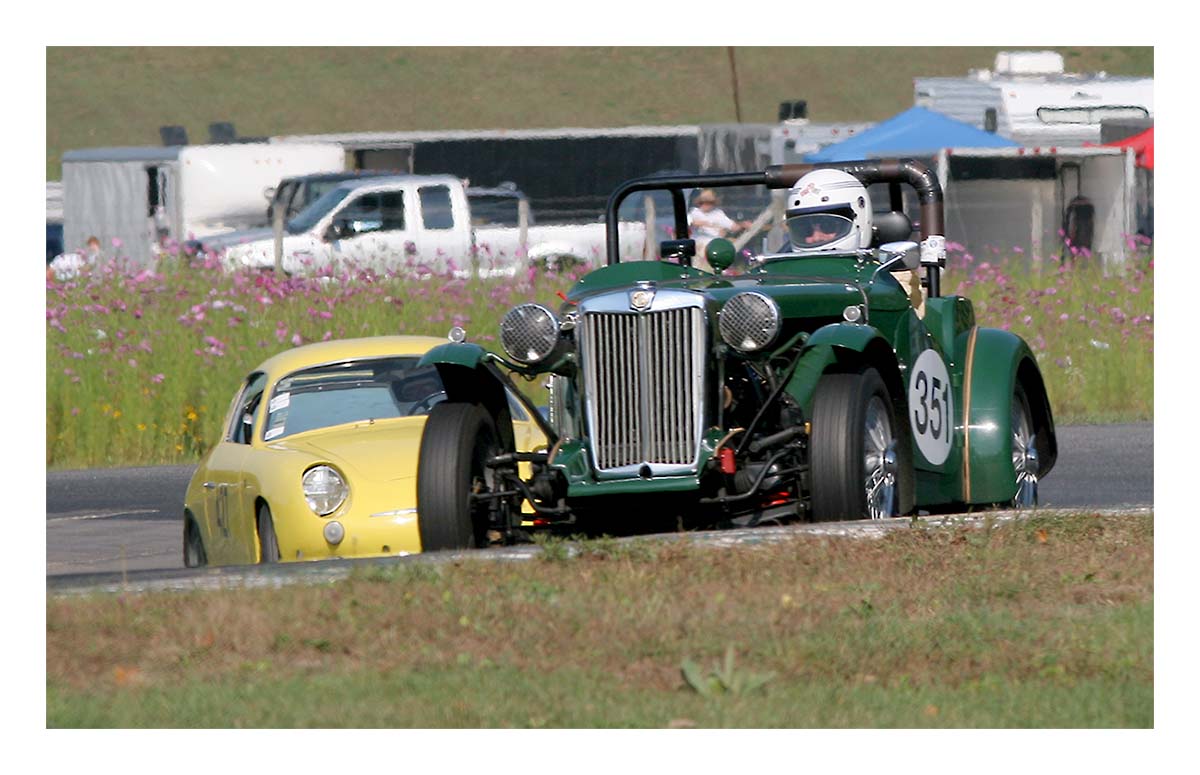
1024 453
879 460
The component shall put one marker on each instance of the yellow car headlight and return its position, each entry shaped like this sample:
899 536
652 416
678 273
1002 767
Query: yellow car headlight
324 489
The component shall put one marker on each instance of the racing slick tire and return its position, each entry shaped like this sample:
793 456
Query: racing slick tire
267 542
853 450
458 439
193 545
1024 452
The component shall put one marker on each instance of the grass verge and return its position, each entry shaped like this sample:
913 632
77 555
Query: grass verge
1045 622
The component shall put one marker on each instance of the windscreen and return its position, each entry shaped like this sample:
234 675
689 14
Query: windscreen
353 391
310 215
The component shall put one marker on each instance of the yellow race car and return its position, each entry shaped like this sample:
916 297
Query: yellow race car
318 456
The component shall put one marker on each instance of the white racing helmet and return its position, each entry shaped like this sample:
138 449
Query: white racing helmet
827 210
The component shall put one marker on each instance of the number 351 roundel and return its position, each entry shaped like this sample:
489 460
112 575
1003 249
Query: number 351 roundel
930 408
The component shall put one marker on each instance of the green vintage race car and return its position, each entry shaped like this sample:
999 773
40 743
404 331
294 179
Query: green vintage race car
807 387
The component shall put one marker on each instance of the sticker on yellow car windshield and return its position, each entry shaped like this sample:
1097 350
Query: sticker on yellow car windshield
279 402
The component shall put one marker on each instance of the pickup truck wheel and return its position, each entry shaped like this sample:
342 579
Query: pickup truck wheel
458 439
1024 451
268 544
193 545
853 449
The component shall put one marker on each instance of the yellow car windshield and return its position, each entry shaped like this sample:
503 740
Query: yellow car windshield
351 391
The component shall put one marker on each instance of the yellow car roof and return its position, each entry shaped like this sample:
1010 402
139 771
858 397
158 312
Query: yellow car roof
346 349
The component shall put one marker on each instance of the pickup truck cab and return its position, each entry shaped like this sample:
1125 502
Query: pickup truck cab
297 192
414 222
382 223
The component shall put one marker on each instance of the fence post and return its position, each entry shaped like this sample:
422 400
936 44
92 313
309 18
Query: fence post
277 225
523 226
650 244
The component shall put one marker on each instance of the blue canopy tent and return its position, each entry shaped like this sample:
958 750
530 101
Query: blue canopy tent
915 132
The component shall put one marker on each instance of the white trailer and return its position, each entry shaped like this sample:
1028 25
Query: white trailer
144 196
1025 198
1017 201
1027 97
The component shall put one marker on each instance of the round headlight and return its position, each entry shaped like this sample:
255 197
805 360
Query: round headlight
749 321
324 489
529 333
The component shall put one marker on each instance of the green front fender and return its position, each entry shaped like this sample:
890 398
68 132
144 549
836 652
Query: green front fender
995 361
830 345
455 354
468 377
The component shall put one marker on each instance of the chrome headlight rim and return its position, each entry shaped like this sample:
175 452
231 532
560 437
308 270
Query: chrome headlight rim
325 489
749 336
518 338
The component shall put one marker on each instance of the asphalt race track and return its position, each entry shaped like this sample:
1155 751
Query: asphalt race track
127 520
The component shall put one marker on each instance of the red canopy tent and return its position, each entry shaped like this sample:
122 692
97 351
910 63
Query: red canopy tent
1142 145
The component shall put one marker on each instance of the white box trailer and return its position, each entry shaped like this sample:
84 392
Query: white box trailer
1015 201
1028 98
145 195
1006 198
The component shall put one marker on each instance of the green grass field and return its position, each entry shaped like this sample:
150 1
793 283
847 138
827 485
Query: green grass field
120 96
1045 622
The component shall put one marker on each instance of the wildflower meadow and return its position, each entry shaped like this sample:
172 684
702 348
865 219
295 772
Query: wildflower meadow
1091 329
141 363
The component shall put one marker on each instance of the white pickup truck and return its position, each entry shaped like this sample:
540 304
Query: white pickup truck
418 222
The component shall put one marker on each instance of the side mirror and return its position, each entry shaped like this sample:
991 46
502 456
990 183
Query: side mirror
895 255
720 254
681 250
269 193
337 230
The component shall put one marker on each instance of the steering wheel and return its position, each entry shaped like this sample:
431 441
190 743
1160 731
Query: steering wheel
425 404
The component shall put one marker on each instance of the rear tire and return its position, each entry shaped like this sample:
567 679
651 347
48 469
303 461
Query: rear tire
457 440
268 544
193 545
853 451
1024 452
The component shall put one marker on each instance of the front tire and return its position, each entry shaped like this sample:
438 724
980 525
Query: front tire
194 555
853 450
268 544
457 440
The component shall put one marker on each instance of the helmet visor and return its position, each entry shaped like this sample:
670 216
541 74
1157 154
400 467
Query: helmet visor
812 230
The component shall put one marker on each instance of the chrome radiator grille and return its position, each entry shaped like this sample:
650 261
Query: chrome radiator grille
644 383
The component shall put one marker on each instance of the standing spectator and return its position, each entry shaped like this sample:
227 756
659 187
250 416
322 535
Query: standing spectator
708 220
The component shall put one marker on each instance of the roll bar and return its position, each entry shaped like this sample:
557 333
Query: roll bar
783 176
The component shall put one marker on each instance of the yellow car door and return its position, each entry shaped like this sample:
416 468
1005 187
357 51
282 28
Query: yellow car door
230 518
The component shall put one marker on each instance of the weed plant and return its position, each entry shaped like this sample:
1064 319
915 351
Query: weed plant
141 363
1091 330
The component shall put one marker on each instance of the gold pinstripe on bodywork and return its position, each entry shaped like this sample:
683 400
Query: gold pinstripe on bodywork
967 369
